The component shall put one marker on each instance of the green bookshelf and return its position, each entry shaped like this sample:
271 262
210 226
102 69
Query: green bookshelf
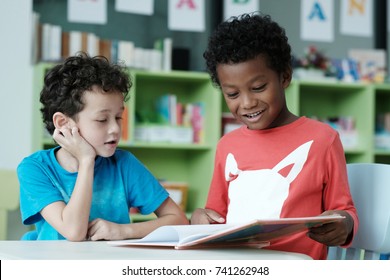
382 105
330 99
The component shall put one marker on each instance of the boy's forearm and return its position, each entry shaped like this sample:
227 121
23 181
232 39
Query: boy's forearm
76 213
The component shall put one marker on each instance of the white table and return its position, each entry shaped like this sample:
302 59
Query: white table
65 250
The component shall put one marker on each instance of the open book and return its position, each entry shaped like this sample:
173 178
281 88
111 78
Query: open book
226 235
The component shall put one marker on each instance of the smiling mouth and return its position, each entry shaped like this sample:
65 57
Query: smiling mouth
253 115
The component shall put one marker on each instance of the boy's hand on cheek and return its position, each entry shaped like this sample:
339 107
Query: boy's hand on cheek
71 140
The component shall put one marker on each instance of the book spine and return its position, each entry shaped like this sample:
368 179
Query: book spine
179 114
197 122
172 109
84 42
126 52
114 50
55 43
45 41
65 45
125 124
74 42
167 54
105 48
163 108
92 44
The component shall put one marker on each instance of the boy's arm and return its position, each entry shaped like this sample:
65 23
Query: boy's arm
71 219
168 213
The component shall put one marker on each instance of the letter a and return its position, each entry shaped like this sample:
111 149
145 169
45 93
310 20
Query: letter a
317 12
190 4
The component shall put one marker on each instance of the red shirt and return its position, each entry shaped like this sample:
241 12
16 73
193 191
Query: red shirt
296 170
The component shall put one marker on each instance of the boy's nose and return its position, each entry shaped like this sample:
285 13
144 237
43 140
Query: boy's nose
115 127
248 101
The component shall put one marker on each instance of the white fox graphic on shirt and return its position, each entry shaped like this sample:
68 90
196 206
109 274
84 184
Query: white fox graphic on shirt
260 194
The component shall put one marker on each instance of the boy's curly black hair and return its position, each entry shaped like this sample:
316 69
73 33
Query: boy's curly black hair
65 84
246 37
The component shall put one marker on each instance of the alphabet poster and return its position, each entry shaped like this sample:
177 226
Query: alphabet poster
317 20
356 18
186 15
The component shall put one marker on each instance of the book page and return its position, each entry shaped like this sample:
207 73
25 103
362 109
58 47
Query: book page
173 235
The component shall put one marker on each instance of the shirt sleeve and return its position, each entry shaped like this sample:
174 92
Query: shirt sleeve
337 195
36 190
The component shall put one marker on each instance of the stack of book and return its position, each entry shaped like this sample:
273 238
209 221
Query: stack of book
176 122
53 44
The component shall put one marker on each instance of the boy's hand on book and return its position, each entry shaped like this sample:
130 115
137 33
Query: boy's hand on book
206 216
333 234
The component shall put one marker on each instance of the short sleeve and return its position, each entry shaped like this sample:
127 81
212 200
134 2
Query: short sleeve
36 190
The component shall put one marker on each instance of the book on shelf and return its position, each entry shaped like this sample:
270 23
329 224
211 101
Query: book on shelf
167 54
105 48
256 233
126 52
65 48
36 38
197 122
51 42
77 42
125 124
92 44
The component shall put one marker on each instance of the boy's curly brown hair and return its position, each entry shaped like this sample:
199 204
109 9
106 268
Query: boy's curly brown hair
65 84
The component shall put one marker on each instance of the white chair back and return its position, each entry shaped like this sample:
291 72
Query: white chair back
370 189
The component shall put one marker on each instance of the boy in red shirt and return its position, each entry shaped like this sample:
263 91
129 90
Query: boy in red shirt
277 164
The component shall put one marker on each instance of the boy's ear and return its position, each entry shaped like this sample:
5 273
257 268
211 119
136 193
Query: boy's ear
60 120
286 78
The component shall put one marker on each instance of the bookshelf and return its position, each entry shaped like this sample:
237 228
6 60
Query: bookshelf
330 99
182 162
192 162
382 105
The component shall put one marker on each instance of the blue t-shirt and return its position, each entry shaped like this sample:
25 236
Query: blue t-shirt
120 182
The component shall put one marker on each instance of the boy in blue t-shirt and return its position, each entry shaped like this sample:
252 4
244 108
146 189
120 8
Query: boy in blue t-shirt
83 188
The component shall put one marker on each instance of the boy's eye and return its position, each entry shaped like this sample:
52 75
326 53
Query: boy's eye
259 88
232 94
102 120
